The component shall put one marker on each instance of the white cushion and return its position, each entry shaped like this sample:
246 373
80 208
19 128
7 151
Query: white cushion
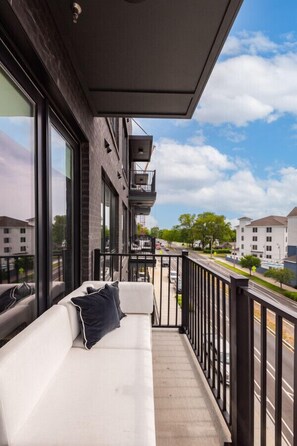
135 297
27 363
134 333
98 397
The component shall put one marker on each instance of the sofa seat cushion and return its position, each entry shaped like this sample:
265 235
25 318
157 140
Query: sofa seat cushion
134 333
97 397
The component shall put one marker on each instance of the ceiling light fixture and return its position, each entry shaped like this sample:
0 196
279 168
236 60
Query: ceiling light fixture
76 11
140 151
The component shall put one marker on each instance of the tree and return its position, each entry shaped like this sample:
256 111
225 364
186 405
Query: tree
187 228
281 275
249 262
211 227
59 230
142 230
155 231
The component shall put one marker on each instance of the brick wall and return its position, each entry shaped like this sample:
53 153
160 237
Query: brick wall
41 29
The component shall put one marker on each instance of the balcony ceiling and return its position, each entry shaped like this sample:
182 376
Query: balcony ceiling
140 148
150 58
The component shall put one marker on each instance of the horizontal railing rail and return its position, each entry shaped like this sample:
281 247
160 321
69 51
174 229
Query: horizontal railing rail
244 340
14 268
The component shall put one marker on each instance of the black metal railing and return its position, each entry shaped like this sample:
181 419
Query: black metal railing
14 268
143 180
163 271
244 340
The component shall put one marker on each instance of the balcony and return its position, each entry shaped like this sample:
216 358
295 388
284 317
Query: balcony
142 192
140 148
216 341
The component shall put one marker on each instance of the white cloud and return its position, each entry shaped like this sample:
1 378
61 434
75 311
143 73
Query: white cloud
203 177
250 43
198 138
250 86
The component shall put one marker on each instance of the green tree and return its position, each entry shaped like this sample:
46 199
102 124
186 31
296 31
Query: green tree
187 228
142 230
59 230
281 275
249 262
210 227
155 231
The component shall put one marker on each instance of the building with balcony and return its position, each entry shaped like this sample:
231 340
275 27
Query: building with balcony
72 75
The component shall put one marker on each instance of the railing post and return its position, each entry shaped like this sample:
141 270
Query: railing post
242 416
185 292
96 272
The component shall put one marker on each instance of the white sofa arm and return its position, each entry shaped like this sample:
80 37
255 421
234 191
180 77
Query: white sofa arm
135 297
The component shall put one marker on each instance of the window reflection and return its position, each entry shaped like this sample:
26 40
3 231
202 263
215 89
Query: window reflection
62 216
17 209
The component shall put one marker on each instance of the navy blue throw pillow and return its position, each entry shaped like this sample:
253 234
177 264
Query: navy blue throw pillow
114 289
23 291
7 299
98 314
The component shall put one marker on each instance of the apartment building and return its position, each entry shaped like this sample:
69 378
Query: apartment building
17 237
266 238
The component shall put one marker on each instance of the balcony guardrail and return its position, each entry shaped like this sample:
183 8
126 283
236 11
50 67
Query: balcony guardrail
250 367
143 181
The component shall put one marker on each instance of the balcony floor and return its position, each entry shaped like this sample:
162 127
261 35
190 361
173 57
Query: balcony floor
185 411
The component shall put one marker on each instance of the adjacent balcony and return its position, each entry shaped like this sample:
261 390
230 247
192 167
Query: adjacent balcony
225 368
142 192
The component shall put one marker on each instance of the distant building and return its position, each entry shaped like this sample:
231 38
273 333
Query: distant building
290 261
266 238
16 236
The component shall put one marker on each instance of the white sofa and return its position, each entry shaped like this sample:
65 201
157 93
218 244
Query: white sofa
55 392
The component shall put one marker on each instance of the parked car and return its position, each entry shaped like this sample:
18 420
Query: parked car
178 285
142 277
221 359
172 276
165 261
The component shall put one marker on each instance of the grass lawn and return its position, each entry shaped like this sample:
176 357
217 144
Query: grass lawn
263 282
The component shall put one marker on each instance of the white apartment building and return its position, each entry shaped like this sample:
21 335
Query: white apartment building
266 238
16 236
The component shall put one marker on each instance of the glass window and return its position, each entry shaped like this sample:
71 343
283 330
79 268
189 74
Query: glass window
255 238
109 228
242 237
242 229
124 230
23 230
17 204
109 218
268 239
23 239
62 216
268 248
268 229
255 229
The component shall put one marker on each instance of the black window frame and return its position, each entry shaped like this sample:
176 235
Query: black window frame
17 57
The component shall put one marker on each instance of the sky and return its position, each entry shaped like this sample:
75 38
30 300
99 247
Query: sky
237 155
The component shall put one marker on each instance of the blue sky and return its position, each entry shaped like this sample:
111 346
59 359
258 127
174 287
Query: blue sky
237 155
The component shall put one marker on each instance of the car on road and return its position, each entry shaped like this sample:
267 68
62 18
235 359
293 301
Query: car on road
165 261
172 275
178 285
214 351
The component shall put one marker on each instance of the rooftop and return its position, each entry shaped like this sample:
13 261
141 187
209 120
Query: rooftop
271 220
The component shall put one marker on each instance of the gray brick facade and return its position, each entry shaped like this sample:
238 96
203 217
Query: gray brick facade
41 29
